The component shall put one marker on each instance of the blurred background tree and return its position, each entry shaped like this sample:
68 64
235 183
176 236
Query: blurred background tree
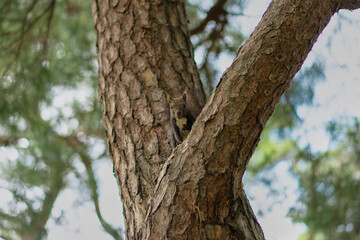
51 133
50 122
330 186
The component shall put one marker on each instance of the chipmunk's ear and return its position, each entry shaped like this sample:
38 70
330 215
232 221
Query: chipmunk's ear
169 99
184 96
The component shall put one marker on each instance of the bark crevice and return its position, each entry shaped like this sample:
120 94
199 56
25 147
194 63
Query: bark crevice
144 51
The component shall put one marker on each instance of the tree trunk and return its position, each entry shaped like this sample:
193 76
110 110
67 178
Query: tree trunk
144 51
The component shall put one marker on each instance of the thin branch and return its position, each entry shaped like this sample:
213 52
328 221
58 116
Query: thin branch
51 14
10 218
95 197
213 15
20 197
73 142
41 218
26 27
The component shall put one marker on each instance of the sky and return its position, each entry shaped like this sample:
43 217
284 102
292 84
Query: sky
81 221
335 98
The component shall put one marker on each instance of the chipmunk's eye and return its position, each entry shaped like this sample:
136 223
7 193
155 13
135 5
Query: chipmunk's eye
184 104
170 107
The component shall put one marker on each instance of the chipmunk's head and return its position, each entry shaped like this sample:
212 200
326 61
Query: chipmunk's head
177 106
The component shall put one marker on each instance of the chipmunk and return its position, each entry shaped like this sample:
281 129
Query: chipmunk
181 119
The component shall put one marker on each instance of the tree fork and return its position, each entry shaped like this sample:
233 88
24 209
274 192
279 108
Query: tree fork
144 51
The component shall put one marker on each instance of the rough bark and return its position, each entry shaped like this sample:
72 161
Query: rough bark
144 50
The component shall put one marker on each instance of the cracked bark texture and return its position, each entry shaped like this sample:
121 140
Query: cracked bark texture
144 51
196 191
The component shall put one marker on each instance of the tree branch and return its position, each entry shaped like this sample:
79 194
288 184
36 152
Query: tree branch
211 162
26 26
57 183
350 4
213 15
92 185
153 55
145 51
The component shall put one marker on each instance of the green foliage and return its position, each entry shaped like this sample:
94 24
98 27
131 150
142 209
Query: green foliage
330 184
269 152
49 110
